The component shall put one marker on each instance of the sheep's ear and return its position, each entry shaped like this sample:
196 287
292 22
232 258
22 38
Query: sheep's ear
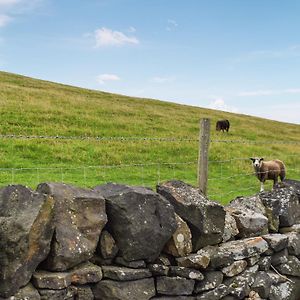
253 159
261 159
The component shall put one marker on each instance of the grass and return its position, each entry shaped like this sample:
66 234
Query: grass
34 107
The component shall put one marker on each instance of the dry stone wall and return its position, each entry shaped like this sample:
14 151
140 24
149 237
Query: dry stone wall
117 242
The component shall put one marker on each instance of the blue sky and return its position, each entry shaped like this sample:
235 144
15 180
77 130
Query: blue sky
236 55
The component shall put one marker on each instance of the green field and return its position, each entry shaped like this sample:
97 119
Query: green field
31 107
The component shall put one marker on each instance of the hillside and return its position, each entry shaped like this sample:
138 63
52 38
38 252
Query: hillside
33 107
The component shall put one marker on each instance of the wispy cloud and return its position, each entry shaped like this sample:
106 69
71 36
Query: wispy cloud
269 92
103 78
163 79
4 20
220 104
108 37
171 25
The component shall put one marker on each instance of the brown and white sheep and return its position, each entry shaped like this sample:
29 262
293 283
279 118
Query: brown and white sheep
268 170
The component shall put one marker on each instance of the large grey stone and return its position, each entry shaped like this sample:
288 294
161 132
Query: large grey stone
291 267
79 218
27 292
276 241
142 289
26 230
187 273
197 261
212 279
107 247
235 268
205 218
124 274
293 243
174 286
216 294
140 220
262 284
230 229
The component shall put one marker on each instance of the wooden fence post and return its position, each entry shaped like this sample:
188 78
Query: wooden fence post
204 140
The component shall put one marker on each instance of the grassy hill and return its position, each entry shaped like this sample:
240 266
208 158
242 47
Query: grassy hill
33 107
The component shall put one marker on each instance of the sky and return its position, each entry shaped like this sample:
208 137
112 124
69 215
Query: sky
240 56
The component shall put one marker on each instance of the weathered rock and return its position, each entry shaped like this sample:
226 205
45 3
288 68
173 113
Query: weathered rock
265 263
174 298
295 184
174 286
142 289
211 280
27 292
163 259
240 290
140 220
218 293
194 261
276 278
180 243
235 268
262 284
107 246
253 296
26 230
135 264
283 291
291 267
158 269
276 241
80 216
284 202
205 218
100 261
293 243
82 274
84 292
249 222
294 228
251 261
124 274
230 229
280 257
187 273
63 294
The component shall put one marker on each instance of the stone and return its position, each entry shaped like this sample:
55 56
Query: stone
291 267
253 296
124 274
163 259
143 289
280 257
107 246
174 286
282 291
286 202
249 222
218 293
262 284
180 243
84 292
230 229
235 268
140 220
27 292
187 273
293 228
276 241
174 298
276 278
195 261
158 269
80 217
293 243
26 230
251 261
136 264
205 218
240 290
100 261
85 273
63 294
212 279
265 263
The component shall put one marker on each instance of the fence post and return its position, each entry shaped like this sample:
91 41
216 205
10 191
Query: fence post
204 140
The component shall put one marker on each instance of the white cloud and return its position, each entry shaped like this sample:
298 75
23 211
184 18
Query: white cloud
8 2
4 20
269 92
219 104
171 25
107 37
107 77
166 79
131 29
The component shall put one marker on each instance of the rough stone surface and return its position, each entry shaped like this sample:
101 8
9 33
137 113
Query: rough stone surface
218 293
79 218
26 230
211 280
143 289
230 229
265 263
180 243
293 243
262 284
195 261
84 293
280 257
235 268
282 291
249 222
136 264
140 220
205 218
277 241
291 267
124 274
294 228
186 273
63 294
158 269
107 246
174 286
27 292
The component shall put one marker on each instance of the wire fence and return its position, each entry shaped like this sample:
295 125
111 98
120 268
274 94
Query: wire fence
227 178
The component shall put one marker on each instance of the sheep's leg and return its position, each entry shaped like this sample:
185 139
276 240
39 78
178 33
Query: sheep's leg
261 186
275 181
